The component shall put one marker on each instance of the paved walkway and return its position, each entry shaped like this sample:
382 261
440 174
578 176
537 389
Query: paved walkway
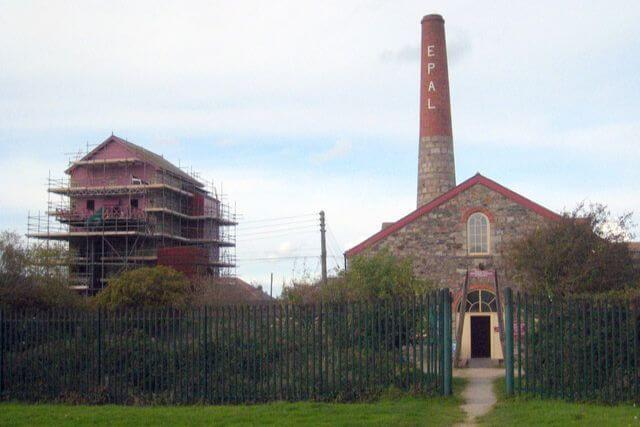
478 395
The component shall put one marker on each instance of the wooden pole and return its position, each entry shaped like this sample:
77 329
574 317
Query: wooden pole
323 248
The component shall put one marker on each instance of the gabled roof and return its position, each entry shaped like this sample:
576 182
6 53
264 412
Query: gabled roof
145 155
477 179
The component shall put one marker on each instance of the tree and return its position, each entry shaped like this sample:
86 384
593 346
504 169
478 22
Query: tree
583 252
158 286
14 259
380 276
370 277
33 276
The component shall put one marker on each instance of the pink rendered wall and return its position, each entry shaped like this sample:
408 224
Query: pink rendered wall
115 174
112 207
112 174
114 150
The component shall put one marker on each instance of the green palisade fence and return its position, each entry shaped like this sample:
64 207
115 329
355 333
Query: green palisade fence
227 354
576 349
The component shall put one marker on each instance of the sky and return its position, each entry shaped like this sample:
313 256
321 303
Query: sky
293 107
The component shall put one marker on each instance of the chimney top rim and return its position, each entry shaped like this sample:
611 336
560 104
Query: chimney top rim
432 17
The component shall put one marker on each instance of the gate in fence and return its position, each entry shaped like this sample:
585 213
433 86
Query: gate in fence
230 354
575 349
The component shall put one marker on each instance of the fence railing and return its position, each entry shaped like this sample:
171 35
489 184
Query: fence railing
575 349
230 354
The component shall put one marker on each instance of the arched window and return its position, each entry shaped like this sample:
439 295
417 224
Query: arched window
478 234
480 302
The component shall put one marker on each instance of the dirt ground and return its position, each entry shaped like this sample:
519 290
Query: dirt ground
478 395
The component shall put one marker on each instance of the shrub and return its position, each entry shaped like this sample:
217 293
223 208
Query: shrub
584 252
381 276
33 276
158 286
214 291
369 278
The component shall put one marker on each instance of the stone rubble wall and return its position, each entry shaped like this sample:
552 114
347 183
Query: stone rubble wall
436 167
437 241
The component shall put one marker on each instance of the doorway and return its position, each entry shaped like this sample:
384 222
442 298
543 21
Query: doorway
480 336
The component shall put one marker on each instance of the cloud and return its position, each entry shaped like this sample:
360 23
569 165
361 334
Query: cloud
225 142
409 53
31 193
341 148
355 204
609 139
262 73
168 142
457 48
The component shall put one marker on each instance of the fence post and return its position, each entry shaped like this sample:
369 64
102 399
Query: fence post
99 343
447 342
508 357
1 352
441 340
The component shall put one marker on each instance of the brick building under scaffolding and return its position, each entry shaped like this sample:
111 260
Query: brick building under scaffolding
123 206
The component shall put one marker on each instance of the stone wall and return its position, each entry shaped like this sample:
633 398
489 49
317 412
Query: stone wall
436 168
437 241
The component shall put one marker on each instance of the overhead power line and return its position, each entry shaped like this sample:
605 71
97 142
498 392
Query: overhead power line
279 218
280 224
248 239
277 230
278 258
333 237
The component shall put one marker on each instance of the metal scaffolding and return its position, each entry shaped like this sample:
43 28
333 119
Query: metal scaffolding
165 209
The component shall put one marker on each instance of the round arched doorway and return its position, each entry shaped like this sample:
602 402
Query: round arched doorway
480 338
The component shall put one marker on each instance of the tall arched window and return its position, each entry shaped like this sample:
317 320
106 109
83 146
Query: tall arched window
478 234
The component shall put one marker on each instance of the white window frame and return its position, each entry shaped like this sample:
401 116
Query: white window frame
469 235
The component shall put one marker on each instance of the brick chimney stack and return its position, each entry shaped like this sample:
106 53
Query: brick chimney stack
436 168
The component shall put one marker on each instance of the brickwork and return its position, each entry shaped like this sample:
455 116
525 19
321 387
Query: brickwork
437 241
436 167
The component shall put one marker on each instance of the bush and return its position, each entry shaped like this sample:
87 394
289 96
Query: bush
158 286
369 278
33 276
381 276
215 291
583 253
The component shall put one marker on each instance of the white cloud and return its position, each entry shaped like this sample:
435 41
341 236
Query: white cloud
225 142
609 139
26 186
168 142
340 149
458 47
355 206
409 53
311 71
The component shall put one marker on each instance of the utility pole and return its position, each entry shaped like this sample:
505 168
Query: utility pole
323 248
271 287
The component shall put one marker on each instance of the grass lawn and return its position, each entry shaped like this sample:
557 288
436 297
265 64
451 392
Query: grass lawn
531 411
401 411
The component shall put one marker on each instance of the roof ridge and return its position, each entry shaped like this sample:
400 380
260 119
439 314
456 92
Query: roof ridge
148 155
478 178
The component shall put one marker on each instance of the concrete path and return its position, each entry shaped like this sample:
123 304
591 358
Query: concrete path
478 394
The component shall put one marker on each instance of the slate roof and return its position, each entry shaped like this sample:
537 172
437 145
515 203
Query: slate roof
145 155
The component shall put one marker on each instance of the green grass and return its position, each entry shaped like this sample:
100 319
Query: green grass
533 411
399 411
